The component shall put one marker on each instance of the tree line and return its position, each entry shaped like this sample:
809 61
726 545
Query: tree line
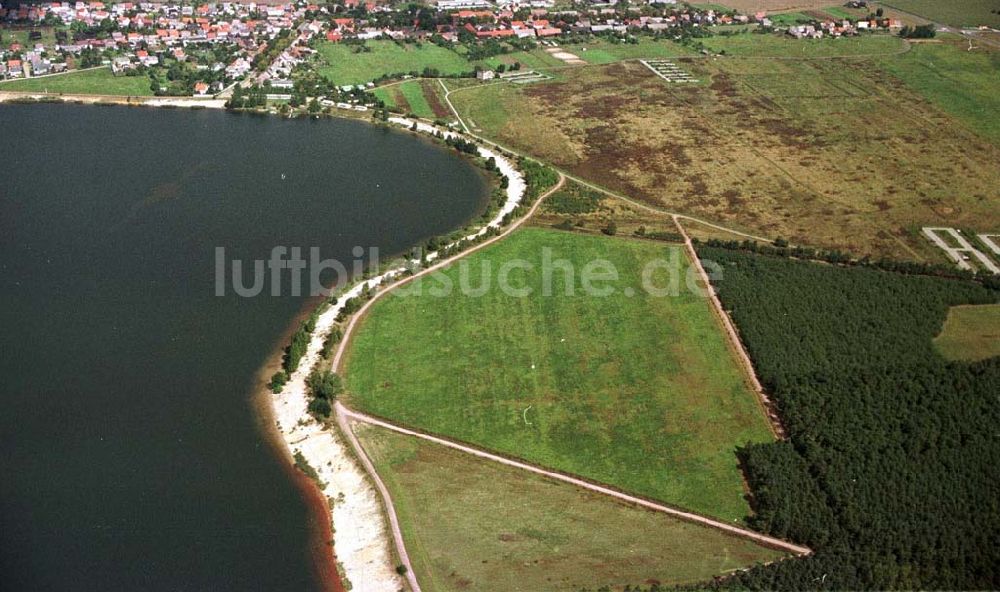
890 471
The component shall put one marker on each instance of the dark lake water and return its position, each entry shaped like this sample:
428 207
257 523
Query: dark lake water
131 455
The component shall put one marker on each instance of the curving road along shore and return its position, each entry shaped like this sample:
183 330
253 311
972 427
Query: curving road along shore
361 544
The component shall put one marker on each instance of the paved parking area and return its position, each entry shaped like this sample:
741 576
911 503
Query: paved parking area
961 250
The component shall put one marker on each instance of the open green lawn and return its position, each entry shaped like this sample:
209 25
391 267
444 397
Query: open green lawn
964 83
89 82
970 333
343 66
475 525
777 45
640 392
958 13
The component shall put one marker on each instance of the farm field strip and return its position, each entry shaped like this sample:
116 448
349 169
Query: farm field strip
578 482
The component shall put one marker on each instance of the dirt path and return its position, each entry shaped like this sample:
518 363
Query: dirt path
344 414
770 410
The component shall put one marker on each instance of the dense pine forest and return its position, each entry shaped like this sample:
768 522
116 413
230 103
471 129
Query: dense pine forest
892 468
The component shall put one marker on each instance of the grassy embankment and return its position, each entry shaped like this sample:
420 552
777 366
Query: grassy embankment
85 82
970 333
640 392
833 152
471 524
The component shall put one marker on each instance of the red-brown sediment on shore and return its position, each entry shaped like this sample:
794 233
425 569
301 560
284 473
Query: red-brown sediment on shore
321 537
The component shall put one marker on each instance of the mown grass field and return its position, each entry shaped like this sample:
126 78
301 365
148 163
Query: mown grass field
964 83
89 82
343 66
640 392
836 153
958 13
474 525
970 333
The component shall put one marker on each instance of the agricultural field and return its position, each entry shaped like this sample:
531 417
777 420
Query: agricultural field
99 81
889 473
628 388
474 525
965 84
958 13
970 333
343 64
833 153
423 98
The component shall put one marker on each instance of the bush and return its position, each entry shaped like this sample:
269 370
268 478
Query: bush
278 381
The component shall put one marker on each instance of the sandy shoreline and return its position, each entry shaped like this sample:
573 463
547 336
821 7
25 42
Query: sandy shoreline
362 543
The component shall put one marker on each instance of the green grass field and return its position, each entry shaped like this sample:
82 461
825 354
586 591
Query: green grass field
535 59
88 82
474 525
775 45
970 333
790 18
603 52
958 13
640 392
343 66
966 84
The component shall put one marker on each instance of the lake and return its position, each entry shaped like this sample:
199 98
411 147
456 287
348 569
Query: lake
131 450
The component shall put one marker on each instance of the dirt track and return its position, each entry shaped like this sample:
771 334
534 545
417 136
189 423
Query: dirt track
344 414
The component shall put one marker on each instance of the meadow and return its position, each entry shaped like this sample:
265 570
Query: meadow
834 153
783 46
963 83
970 333
631 389
343 65
474 525
958 13
99 81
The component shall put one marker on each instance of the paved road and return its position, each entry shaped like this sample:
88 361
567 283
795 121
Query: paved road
344 414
